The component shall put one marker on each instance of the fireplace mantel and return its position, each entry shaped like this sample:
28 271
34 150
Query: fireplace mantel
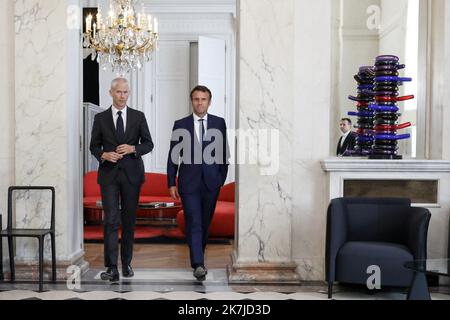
366 165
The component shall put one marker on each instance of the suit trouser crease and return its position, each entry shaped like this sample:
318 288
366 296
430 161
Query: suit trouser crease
120 202
198 209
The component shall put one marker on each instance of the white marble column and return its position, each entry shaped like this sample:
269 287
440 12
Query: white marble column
438 114
47 127
7 94
313 102
285 84
266 49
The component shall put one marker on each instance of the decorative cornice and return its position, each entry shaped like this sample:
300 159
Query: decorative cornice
192 6
197 26
366 165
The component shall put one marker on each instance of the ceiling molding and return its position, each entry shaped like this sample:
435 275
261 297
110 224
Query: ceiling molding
179 6
192 6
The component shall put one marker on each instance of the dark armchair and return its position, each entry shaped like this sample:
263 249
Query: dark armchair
385 232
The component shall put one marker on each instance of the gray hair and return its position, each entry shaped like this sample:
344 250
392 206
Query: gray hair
118 80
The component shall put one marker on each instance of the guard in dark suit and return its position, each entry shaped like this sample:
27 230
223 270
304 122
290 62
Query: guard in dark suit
120 137
348 136
199 155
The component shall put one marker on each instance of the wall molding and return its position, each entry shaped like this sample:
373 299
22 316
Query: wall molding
359 34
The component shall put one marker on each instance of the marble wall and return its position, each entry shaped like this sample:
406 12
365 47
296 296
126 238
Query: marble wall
47 113
266 102
7 94
285 85
301 200
313 101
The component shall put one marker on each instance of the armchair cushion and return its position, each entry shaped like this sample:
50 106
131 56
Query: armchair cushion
355 257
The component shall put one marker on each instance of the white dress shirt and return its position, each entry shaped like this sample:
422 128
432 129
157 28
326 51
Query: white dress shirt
197 125
344 136
116 116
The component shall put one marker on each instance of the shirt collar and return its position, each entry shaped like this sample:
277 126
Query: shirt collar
346 134
196 117
115 110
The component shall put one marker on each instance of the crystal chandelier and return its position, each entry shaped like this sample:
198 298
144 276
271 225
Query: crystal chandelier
122 40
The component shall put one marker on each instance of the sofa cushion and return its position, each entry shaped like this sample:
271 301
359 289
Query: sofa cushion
146 199
90 186
227 192
91 201
155 185
355 257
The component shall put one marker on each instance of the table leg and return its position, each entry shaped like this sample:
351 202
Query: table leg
419 288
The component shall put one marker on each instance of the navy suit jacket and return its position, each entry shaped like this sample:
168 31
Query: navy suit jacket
185 151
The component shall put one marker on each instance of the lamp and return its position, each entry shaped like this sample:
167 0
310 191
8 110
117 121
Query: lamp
122 40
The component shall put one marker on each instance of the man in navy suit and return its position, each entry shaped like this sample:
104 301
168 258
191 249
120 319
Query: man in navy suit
120 137
199 154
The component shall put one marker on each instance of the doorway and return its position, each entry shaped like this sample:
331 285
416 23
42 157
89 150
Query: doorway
198 49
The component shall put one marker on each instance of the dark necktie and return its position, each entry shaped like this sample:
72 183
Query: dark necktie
202 135
202 130
119 128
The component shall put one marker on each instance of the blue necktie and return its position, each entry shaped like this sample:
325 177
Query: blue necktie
120 131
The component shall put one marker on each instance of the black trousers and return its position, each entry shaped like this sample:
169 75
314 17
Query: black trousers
120 202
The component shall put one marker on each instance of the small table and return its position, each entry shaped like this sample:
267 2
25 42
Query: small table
419 287
156 216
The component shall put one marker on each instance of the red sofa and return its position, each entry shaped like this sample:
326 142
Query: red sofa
222 225
153 190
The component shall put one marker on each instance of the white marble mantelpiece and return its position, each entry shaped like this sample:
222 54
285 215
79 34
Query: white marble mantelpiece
364 164
341 169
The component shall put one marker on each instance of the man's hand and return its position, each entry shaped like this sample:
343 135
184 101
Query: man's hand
111 156
125 149
173 191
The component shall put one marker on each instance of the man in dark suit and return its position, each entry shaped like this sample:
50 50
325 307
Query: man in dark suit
199 154
120 137
348 139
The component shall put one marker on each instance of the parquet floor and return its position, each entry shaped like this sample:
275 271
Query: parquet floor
171 256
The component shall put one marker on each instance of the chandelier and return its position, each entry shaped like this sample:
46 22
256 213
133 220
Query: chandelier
123 40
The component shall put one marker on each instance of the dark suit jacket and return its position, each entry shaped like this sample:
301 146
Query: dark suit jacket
189 171
104 140
349 143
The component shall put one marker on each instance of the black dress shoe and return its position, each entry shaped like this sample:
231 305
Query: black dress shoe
111 274
127 272
200 273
